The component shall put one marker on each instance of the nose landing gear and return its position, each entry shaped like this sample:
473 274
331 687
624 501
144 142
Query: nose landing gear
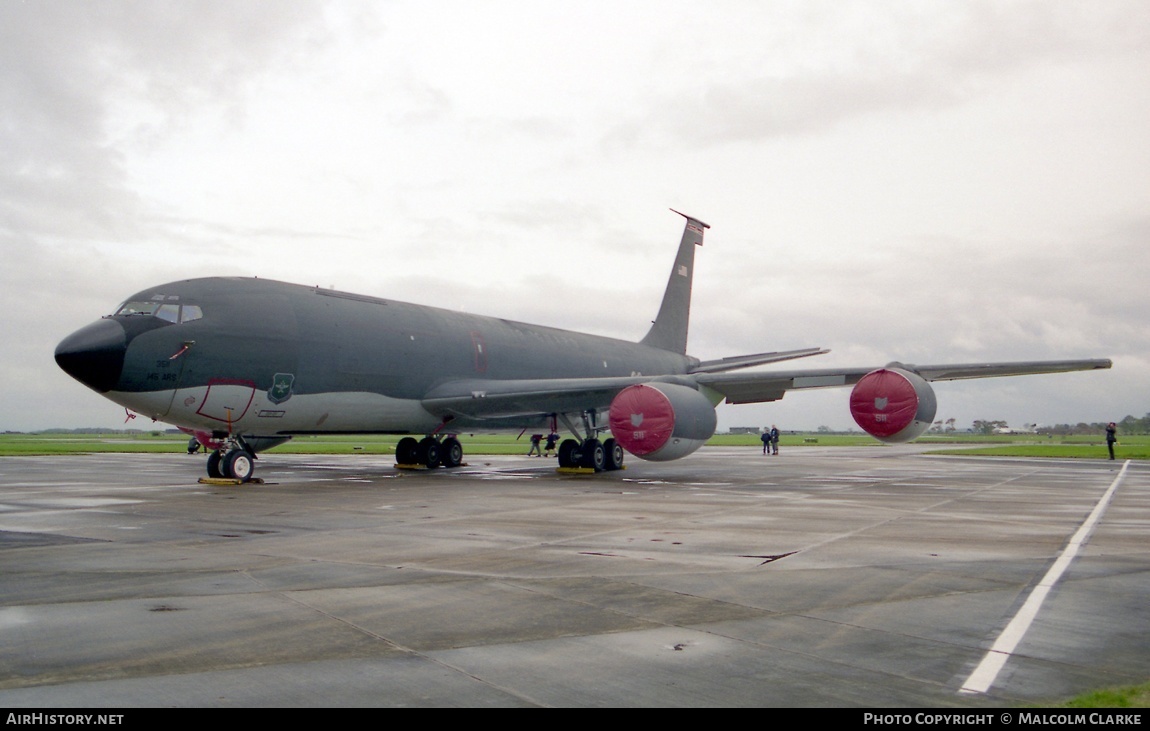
234 460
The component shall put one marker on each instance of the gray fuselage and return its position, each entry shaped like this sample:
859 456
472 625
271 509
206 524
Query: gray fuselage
266 357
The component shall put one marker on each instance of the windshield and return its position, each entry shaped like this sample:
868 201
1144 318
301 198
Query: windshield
165 311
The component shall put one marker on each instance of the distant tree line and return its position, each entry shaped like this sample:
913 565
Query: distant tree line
1128 425
984 426
98 430
943 427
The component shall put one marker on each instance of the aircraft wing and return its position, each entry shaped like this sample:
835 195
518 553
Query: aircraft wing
754 387
487 399
490 399
1021 368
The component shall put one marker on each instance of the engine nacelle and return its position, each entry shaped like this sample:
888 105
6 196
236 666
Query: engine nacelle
893 405
661 421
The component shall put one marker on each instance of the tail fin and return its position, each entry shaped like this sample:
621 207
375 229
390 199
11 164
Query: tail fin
669 331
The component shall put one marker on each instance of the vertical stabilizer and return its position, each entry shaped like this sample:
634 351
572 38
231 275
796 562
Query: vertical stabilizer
669 331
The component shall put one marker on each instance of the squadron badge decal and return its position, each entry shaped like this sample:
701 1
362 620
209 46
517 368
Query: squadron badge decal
281 387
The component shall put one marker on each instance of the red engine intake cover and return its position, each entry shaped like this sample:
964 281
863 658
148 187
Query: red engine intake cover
884 402
641 419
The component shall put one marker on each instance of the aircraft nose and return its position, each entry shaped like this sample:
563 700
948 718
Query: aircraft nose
94 355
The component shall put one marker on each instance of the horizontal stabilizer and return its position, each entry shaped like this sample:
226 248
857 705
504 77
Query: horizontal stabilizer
746 361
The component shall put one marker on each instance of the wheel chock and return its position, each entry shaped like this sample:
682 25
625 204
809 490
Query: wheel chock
399 466
229 481
583 470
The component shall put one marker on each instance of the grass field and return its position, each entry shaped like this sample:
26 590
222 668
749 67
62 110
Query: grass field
1129 447
1132 696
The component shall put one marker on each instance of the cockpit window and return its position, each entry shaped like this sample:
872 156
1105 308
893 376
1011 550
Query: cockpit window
138 308
169 312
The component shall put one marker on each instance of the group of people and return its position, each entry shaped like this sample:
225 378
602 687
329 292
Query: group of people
536 439
770 439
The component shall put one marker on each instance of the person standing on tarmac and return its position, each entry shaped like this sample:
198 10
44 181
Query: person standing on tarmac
775 438
535 439
1111 437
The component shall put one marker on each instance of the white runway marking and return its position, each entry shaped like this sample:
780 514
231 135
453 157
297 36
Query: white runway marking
986 672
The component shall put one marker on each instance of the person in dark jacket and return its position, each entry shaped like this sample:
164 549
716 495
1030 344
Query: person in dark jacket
1111 437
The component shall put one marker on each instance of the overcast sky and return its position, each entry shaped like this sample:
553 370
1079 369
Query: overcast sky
929 182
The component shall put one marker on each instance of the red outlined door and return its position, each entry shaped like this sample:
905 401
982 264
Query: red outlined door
227 399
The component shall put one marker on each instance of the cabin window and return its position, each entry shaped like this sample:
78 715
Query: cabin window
480 352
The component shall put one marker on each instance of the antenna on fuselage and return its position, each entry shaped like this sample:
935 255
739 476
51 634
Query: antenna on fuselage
669 331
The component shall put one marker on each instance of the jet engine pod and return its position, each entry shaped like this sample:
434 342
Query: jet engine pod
893 405
661 421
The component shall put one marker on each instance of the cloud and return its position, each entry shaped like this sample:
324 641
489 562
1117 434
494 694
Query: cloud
917 181
842 61
76 78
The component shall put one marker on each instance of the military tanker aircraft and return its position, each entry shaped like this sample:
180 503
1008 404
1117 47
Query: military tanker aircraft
245 364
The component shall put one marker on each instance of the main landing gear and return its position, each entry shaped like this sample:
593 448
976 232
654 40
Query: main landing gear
593 454
429 452
589 452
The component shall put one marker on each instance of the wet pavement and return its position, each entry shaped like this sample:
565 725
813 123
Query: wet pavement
873 577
